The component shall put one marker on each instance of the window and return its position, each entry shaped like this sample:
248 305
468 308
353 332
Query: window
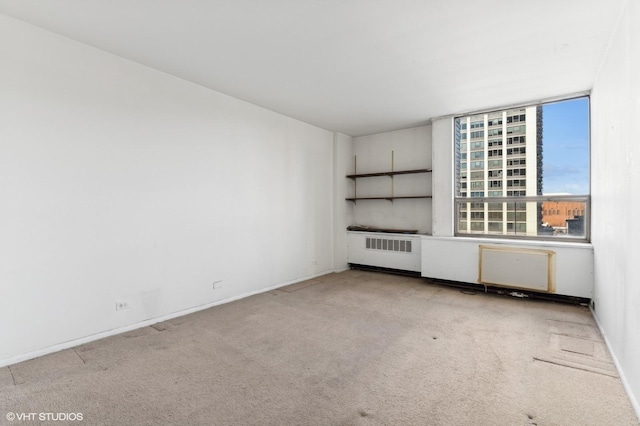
516 140
516 182
543 170
511 216
495 227
516 118
516 162
516 129
516 227
517 172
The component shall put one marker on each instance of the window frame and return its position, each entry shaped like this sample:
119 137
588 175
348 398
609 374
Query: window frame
463 200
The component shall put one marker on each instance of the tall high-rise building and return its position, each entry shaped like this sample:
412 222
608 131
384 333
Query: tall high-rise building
499 154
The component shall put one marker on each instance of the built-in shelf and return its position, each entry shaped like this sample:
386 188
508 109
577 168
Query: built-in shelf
387 198
391 174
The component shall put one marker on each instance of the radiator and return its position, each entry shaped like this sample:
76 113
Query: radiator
522 268
395 251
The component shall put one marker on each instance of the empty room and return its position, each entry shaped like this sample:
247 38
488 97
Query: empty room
241 212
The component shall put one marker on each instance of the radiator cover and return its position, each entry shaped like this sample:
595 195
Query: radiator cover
524 268
384 250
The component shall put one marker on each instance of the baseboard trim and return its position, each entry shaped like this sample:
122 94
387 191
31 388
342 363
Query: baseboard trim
101 335
623 378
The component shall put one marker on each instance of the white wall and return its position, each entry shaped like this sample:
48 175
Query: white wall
443 177
457 258
343 210
121 183
615 204
412 150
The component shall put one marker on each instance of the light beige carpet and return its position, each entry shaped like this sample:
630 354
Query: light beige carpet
344 349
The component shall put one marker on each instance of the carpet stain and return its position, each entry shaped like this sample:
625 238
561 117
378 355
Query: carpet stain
363 413
160 326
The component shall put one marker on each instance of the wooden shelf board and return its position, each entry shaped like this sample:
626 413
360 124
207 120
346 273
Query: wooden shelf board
400 172
388 198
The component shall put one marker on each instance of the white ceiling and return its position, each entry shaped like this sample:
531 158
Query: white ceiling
354 66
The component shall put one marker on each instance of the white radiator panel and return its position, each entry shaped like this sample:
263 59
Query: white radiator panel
385 250
532 269
457 259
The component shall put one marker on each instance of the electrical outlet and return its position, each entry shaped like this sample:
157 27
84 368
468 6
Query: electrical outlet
122 305
217 284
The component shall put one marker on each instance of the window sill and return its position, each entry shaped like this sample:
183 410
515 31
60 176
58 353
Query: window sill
482 239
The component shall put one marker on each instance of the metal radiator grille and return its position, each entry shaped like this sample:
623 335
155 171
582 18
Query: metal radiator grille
388 244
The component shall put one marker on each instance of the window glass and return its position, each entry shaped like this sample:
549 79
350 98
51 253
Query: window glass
544 168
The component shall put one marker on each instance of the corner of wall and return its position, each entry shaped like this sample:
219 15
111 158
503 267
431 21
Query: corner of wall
342 210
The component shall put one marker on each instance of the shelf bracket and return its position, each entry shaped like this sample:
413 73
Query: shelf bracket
391 176
355 181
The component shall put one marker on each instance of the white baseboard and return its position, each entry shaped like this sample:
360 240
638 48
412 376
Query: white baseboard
623 378
81 341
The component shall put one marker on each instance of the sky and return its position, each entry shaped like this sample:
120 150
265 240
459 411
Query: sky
565 147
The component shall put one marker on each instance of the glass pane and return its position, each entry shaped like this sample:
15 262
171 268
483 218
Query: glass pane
565 165
558 218
532 151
